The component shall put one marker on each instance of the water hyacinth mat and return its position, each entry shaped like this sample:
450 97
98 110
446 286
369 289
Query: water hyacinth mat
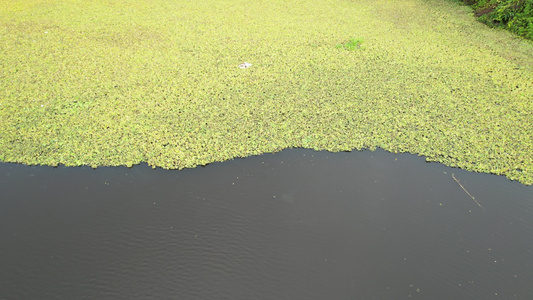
178 84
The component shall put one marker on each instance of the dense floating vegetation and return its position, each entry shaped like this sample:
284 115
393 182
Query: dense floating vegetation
121 82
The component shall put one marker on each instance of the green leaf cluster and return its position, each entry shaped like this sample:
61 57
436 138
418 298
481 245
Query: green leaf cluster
515 15
352 44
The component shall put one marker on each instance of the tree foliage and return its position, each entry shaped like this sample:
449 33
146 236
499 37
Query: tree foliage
515 15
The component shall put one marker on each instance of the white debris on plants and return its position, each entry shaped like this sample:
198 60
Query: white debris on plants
245 65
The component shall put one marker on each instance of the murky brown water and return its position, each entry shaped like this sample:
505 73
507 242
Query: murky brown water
293 225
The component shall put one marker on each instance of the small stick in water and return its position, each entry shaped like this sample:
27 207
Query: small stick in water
467 192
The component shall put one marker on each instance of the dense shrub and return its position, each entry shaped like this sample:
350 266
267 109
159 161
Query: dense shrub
516 15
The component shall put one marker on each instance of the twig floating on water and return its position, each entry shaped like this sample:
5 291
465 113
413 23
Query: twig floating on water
467 192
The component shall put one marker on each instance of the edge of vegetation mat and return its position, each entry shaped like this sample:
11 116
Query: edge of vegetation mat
178 84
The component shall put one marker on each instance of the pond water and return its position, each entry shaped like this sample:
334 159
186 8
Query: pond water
298 224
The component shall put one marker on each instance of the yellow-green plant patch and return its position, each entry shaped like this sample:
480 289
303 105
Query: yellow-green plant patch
122 82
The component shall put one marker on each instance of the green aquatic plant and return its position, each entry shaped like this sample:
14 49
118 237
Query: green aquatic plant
159 82
352 44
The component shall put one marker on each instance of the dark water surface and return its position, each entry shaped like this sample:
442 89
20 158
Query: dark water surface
298 224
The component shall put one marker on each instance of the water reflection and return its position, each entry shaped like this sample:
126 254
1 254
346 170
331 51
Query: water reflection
298 224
